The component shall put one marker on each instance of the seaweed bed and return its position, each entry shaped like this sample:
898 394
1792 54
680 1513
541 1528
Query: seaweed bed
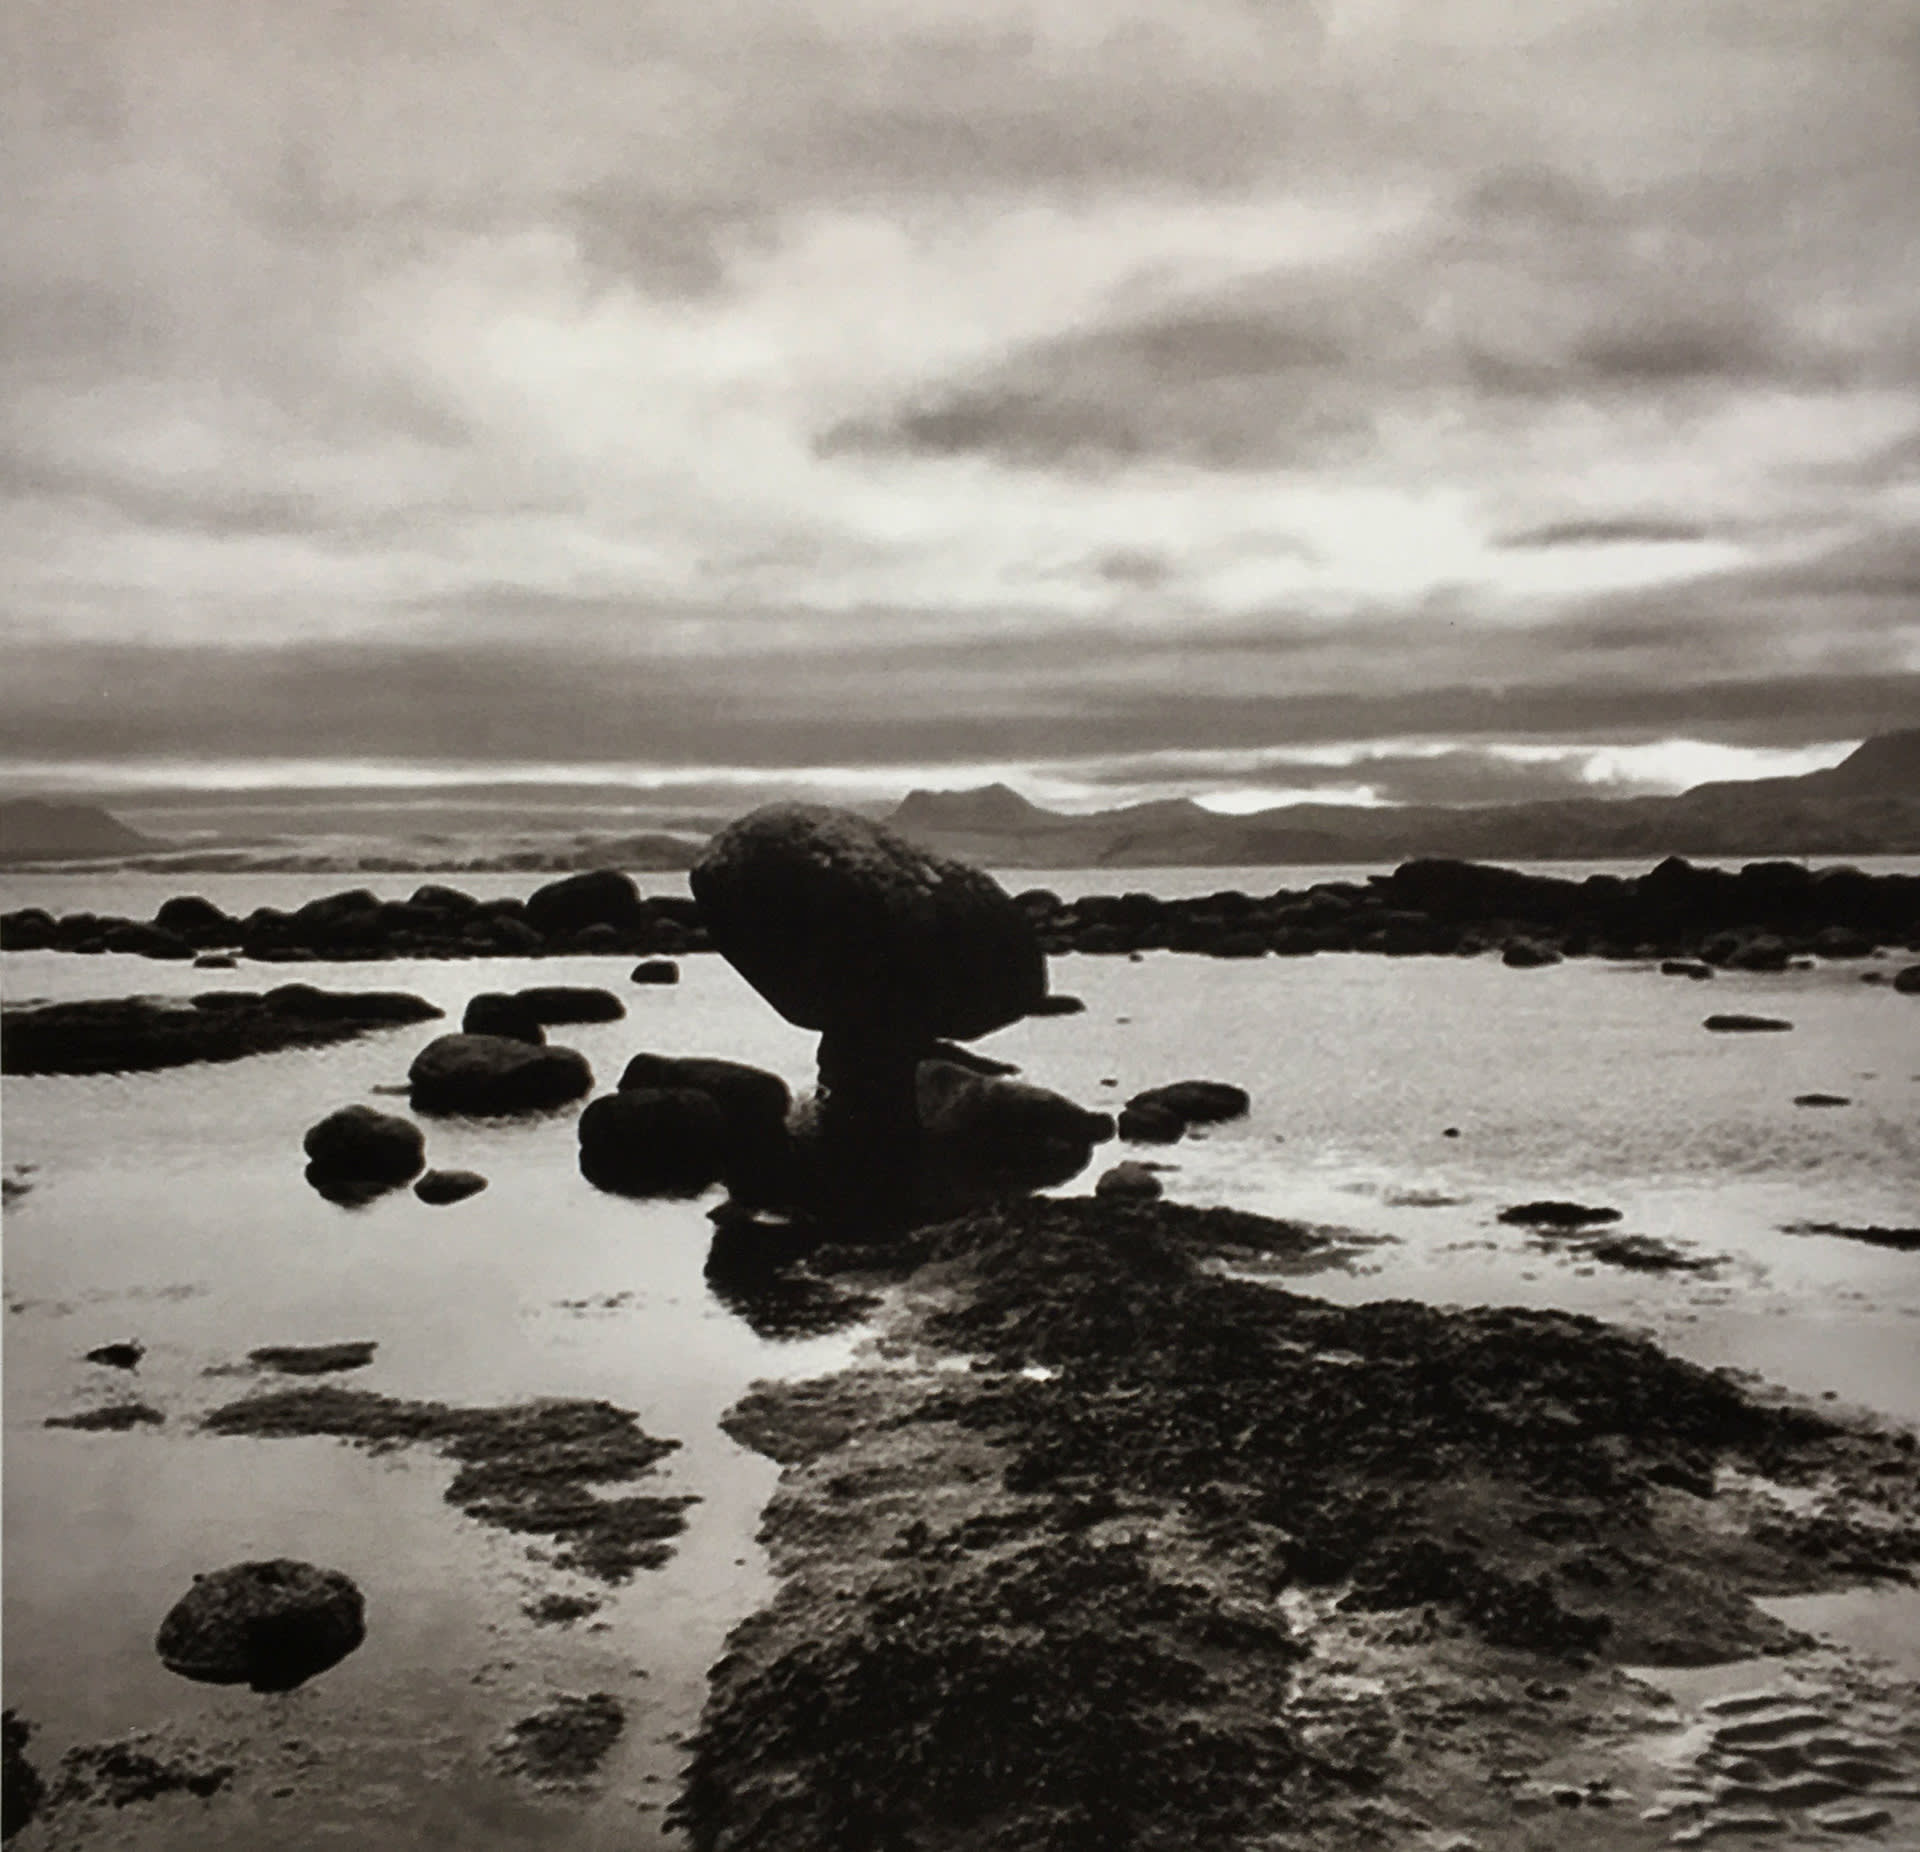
1185 1560
527 1467
125 1035
565 1743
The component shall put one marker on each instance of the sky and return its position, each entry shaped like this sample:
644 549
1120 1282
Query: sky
1387 399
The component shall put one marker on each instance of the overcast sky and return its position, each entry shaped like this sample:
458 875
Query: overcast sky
1118 395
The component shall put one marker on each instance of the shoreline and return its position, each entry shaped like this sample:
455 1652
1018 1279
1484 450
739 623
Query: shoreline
1102 1548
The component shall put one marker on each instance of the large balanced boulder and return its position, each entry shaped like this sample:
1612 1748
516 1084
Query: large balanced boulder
847 928
272 1625
359 1145
495 1074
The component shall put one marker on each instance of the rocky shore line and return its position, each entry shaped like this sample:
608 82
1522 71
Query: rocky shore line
1760 918
1107 1548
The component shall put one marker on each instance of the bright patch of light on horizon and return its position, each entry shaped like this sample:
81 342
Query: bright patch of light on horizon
1673 765
1248 800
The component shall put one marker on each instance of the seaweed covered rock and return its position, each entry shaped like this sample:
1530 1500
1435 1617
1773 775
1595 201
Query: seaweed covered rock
359 1145
485 1074
847 928
271 1625
983 1136
124 1035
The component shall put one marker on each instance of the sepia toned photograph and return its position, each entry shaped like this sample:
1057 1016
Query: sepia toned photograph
960 927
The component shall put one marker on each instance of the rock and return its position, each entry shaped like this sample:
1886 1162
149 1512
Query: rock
314 1359
655 971
653 1141
1556 1215
1129 1181
124 1773
1821 1099
28 929
271 1625
215 961
190 917
567 1742
1151 1125
118 1356
495 1074
1907 982
1744 1025
847 928
1057 1003
755 1160
1685 967
21 1789
114 1418
970 1058
448 900
441 1187
493 1012
983 1137
1528 954
1196 1102
600 897
551 1003
358 1144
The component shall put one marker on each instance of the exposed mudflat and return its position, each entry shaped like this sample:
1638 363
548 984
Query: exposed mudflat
1109 1548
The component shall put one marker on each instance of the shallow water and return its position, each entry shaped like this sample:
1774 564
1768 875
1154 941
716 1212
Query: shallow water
170 1207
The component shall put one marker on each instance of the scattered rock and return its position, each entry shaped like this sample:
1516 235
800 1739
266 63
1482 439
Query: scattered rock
1907 982
1685 967
124 1773
215 961
601 896
359 1145
555 1003
1644 1254
1151 1125
124 1035
21 1789
654 971
653 1141
313 1359
271 1625
566 1743
528 1467
1556 1215
1821 1099
1129 1180
1901 1240
1528 954
754 1104
485 1074
113 1418
1058 1003
124 1356
561 1610
983 1137
1744 1025
493 1012
1196 1102
441 1187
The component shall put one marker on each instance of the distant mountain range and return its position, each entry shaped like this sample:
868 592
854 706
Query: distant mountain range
1868 805
33 831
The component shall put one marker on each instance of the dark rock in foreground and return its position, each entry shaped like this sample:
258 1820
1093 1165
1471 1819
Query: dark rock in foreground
654 971
123 1035
123 1774
21 1788
359 1145
653 1141
565 1743
754 1159
484 1074
441 1187
529 1467
271 1625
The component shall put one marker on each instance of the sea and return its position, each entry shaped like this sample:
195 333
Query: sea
1402 1102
